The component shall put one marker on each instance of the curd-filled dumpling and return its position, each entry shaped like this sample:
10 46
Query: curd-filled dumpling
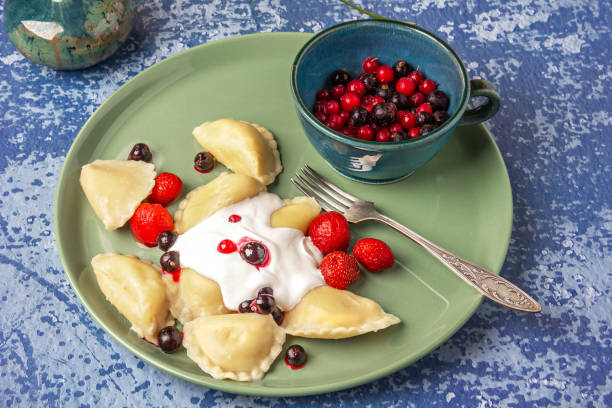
239 346
297 213
329 313
114 188
136 289
193 296
221 192
245 148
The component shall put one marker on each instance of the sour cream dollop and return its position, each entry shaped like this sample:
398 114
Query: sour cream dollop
293 264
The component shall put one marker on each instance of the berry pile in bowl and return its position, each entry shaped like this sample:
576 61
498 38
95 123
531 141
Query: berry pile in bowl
359 85
383 103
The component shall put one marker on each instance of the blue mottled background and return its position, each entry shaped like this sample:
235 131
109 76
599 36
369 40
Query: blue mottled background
551 63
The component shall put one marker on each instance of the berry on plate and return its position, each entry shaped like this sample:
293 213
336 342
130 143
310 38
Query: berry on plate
330 232
140 152
169 339
373 254
339 269
150 220
167 187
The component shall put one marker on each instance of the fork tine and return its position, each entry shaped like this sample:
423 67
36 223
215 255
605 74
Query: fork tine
321 197
324 187
303 190
331 185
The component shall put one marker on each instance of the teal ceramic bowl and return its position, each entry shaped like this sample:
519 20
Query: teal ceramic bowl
68 35
346 46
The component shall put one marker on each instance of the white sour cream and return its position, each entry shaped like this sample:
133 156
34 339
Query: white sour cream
291 272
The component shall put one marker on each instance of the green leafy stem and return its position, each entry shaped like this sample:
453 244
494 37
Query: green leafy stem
366 12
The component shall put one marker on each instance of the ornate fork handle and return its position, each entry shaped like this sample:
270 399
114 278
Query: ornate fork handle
490 285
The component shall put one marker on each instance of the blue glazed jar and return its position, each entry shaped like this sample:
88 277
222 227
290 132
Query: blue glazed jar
68 34
346 46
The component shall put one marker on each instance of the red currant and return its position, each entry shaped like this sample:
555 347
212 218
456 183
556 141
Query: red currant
321 116
318 106
425 107
338 91
427 86
377 99
335 122
370 65
383 135
414 133
416 76
357 87
348 131
408 120
367 100
345 116
349 101
405 85
384 74
396 127
416 99
331 107
365 133
323 95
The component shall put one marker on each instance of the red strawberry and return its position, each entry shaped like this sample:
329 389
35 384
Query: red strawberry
167 187
330 232
339 269
373 254
148 221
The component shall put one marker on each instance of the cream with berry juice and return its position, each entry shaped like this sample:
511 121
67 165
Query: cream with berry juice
237 248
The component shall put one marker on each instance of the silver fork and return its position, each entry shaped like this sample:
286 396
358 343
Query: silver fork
331 198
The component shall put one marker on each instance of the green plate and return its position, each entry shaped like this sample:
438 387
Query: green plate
460 200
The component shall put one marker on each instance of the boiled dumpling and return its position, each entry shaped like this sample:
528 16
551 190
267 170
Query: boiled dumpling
193 296
329 313
245 148
223 191
297 213
238 346
136 289
114 188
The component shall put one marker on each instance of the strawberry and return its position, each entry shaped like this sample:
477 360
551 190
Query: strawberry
148 221
167 187
330 232
373 254
339 269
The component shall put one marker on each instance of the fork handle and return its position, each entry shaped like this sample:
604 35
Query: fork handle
490 285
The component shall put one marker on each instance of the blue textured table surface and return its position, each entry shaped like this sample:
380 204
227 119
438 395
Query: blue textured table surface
551 63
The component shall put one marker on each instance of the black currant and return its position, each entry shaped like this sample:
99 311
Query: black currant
169 339
170 261
140 152
438 100
384 114
254 253
295 355
166 239
359 117
423 118
401 69
340 77
203 161
400 100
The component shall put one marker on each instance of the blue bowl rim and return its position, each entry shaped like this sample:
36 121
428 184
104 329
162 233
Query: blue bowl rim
373 145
